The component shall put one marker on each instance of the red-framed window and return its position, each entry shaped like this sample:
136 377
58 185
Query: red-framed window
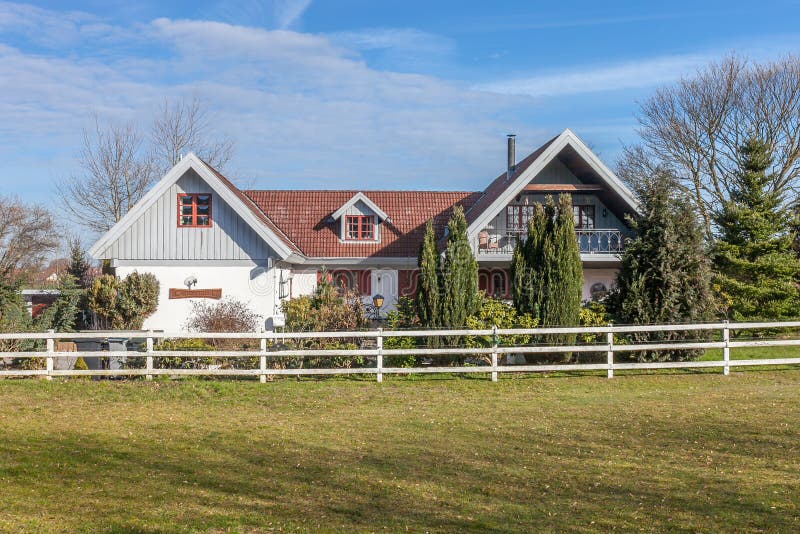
194 210
359 227
517 218
583 216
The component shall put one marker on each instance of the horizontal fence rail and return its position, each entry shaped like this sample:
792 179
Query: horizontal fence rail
272 346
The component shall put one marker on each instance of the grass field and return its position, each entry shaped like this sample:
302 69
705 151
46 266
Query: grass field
697 452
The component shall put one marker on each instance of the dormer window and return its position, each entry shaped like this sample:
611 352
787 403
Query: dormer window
360 227
194 210
359 220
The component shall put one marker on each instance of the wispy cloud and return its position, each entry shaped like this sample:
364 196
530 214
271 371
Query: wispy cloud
267 89
287 12
593 78
407 39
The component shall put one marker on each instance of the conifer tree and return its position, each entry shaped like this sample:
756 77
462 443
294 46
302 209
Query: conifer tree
665 273
459 278
561 300
428 261
756 269
79 265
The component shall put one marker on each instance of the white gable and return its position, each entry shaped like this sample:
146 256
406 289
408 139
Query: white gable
157 211
360 201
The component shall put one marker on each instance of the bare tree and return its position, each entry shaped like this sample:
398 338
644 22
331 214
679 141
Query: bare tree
28 236
181 126
694 128
117 172
119 164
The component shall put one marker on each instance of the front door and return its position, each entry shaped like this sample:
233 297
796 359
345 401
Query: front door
384 281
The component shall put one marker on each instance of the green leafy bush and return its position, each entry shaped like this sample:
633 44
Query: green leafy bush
403 317
492 313
179 362
328 309
80 364
123 303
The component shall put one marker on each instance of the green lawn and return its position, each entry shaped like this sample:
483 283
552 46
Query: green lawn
696 452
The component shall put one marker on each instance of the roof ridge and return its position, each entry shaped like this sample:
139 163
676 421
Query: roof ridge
365 191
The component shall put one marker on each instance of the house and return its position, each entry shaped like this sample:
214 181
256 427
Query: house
204 238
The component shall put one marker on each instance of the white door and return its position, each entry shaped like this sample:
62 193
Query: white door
384 281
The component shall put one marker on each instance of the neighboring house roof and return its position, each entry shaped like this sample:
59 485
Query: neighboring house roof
304 217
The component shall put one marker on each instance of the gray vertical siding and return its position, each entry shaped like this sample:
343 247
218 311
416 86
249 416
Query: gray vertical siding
156 236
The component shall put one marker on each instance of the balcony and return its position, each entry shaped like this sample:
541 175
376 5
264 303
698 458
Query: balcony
596 241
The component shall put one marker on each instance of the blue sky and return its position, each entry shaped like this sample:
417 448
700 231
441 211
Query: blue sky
355 93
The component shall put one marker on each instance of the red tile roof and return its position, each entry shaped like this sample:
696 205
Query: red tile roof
255 209
303 217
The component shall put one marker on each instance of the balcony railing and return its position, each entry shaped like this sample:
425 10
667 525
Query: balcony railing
589 241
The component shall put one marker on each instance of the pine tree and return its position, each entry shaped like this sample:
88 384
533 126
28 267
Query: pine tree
757 269
427 298
79 266
665 273
459 278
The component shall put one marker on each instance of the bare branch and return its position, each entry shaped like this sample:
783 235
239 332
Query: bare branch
695 128
28 236
181 127
116 174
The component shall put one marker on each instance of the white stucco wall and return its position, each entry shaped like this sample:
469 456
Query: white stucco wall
251 284
592 276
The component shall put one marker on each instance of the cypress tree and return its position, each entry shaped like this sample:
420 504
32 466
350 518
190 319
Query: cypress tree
561 302
532 262
757 269
459 277
427 298
665 273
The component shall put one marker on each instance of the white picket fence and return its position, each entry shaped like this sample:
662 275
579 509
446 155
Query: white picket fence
270 348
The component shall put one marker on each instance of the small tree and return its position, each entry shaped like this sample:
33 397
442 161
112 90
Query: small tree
79 267
427 297
63 315
459 278
757 270
123 304
665 273
138 299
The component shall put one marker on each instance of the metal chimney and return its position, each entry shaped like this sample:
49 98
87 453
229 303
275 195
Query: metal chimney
512 160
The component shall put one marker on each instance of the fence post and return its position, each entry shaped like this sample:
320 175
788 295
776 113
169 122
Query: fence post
379 374
149 357
263 360
51 343
494 353
610 338
726 350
